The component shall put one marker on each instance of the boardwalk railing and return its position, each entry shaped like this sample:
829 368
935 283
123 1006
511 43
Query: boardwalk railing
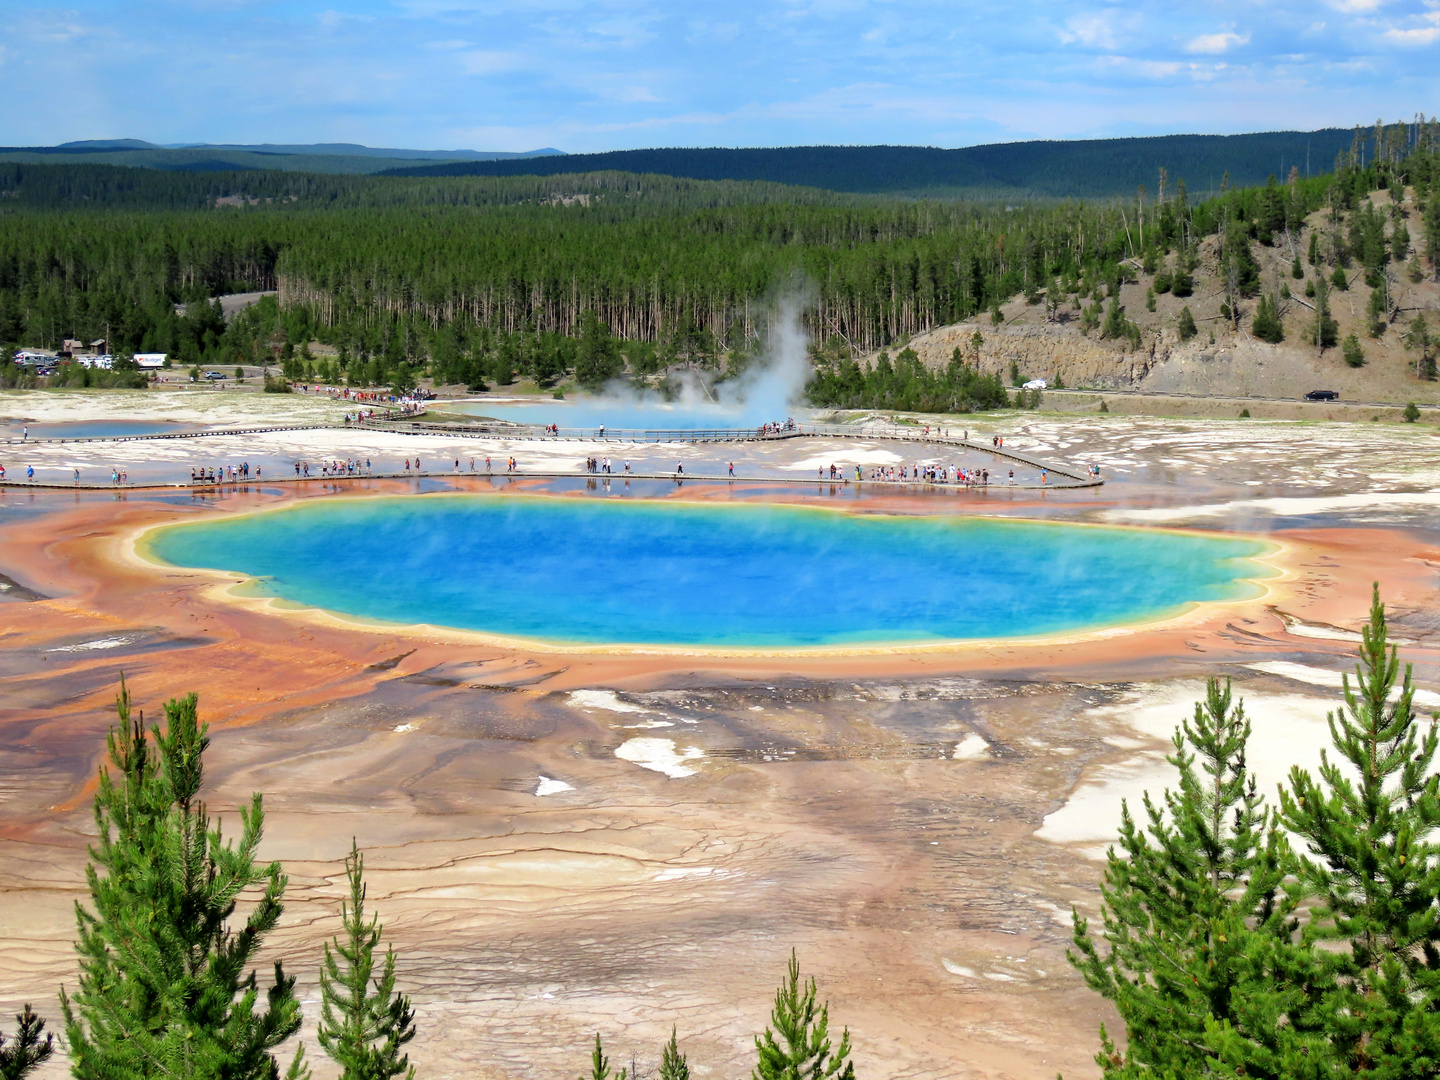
536 432
891 433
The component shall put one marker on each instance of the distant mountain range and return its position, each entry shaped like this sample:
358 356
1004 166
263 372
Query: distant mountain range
1089 168
227 157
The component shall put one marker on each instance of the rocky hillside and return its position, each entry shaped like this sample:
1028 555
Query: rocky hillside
1050 343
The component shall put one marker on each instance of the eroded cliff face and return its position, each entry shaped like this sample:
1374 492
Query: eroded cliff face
1040 352
1240 366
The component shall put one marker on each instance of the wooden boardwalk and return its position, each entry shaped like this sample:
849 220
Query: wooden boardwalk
1073 478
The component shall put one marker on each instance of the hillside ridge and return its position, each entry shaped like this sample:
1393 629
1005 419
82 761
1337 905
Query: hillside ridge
1089 168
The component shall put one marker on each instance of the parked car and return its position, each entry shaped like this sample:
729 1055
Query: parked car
214 375
1323 395
1036 384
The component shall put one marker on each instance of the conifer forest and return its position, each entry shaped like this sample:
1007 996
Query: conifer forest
478 279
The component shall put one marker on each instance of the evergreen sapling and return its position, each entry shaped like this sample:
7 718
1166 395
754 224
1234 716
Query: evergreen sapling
802 1051
364 1023
1373 868
600 1064
164 988
26 1049
673 1065
1197 919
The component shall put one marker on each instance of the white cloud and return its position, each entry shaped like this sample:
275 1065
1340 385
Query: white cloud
1095 30
1419 35
1150 69
1215 44
485 62
1355 7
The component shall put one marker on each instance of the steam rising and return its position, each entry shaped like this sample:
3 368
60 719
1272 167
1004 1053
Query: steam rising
771 388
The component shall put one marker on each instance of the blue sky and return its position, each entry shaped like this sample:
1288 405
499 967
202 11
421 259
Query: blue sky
585 76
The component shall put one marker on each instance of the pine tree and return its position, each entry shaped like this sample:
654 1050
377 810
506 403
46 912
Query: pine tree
164 989
1354 352
27 1048
1373 868
1324 330
1419 338
673 1065
804 1030
598 359
1197 919
1378 311
1266 325
1432 231
1115 321
363 1027
600 1064
1187 324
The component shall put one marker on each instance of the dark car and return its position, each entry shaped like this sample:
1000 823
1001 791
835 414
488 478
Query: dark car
1323 395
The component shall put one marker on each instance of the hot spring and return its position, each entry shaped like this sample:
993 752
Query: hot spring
638 415
733 575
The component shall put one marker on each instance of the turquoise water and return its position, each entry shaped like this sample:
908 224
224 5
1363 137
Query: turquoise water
578 570
90 429
626 415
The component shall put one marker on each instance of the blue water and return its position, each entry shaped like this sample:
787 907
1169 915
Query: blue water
627 415
91 429
570 569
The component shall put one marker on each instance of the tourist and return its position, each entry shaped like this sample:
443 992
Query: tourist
627 466
29 472
732 469
1012 476
2 472
680 468
487 463
25 433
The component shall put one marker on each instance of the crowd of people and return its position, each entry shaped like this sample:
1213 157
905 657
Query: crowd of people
222 474
905 472
778 427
